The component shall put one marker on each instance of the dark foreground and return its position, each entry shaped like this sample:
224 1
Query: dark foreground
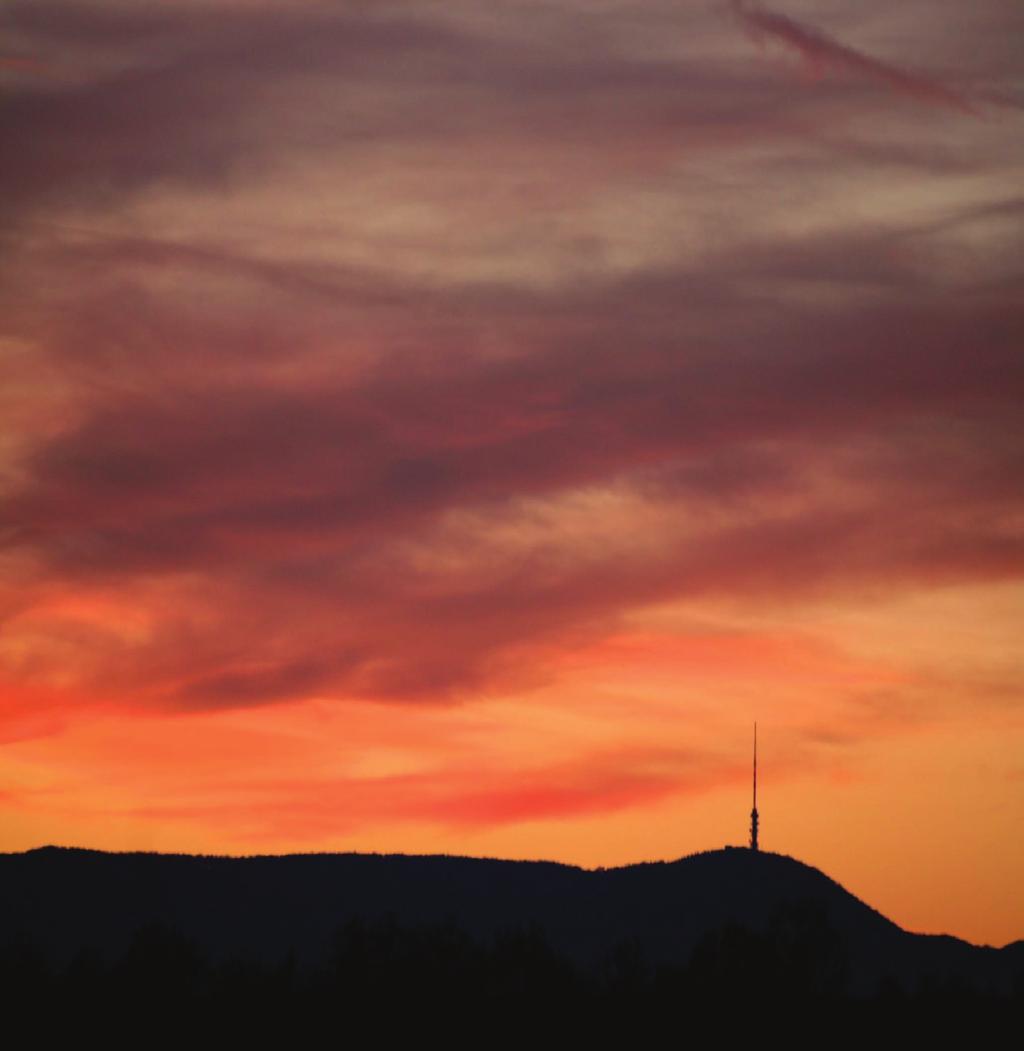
340 944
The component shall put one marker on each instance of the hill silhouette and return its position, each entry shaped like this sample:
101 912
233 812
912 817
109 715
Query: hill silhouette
707 910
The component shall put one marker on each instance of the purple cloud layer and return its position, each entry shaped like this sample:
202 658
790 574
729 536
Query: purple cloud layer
323 322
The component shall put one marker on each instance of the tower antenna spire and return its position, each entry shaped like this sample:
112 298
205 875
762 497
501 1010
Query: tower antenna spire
753 813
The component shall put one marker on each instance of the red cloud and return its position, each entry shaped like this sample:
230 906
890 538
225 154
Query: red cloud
599 783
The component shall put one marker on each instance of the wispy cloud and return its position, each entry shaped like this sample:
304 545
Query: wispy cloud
821 52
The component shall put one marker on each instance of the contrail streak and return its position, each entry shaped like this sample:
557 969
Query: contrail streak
820 51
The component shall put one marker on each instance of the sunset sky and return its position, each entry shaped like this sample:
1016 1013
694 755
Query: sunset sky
447 426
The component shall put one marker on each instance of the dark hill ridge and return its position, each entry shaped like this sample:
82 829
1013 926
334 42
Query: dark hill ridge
65 900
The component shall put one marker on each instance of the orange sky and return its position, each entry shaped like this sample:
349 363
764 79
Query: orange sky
448 429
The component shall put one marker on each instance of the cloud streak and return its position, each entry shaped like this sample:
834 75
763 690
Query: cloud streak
820 52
